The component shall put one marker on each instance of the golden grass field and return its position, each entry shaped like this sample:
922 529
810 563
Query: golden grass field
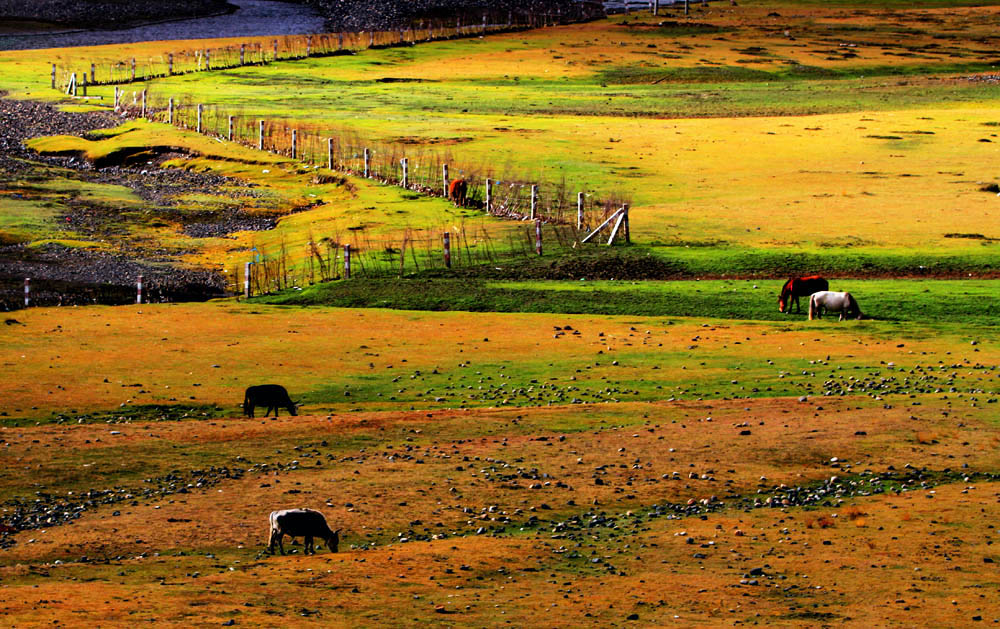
538 470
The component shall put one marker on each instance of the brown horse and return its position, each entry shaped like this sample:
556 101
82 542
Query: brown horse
799 287
457 191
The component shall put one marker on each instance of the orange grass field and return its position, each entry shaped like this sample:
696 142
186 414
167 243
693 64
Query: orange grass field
539 470
452 515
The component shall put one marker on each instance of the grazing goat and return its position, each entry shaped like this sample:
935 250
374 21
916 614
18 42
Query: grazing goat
305 523
273 396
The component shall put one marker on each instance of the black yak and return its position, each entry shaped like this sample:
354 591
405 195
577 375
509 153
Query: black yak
272 396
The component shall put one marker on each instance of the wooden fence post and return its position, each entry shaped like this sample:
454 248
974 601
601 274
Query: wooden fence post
71 87
340 41
170 108
329 153
200 108
243 52
444 175
170 64
347 262
686 8
295 143
406 172
260 135
656 7
138 291
84 83
27 292
371 39
229 135
368 163
208 59
625 225
133 69
534 202
275 50
309 45
92 73
579 210
538 237
53 76
489 195
447 250
143 104
246 279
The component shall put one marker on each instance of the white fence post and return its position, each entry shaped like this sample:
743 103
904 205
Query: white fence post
579 210
260 135
347 262
229 135
406 172
447 250
444 175
170 107
368 163
295 143
534 202
329 153
489 195
200 108
138 291
27 292
538 237
246 279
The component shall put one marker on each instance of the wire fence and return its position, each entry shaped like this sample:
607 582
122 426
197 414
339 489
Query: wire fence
72 75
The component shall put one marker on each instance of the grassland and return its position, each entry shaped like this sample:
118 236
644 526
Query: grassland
528 441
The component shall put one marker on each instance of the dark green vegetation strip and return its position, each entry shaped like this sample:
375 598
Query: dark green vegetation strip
971 302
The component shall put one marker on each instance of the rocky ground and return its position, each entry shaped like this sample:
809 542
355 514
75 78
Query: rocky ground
386 14
107 13
63 275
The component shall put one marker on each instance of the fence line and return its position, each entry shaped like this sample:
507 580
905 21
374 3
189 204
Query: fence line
263 51
500 194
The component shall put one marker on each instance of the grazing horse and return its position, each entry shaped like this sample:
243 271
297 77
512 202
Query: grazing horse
271 396
457 191
844 303
799 287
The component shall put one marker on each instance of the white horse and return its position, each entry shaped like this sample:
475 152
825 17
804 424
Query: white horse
844 303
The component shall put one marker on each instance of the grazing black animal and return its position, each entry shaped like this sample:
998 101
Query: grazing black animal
272 396
306 523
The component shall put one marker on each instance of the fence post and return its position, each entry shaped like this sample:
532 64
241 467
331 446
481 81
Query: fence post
340 41
686 8
229 134
138 291
534 202
368 161
656 7
295 143
170 64
53 76
84 83
309 45
27 292
275 50
243 52
260 135
170 108
444 175
447 250
72 83
538 237
133 69
406 172
143 103
489 195
92 68
246 279
208 59
329 153
347 262
628 234
371 38
200 108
